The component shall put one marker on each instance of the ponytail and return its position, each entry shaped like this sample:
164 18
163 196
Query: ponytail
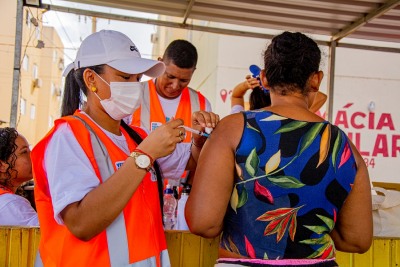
74 83
259 98
71 96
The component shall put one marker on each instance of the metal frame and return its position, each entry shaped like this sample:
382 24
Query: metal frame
186 26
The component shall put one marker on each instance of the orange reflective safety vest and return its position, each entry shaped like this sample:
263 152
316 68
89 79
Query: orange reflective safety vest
4 190
151 115
136 238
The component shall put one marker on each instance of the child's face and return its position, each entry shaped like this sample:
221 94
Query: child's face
23 162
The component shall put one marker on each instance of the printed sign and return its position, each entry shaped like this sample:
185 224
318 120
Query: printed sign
376 137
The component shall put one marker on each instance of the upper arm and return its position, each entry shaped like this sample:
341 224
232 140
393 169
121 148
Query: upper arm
213 181
77 177
238 93
353 229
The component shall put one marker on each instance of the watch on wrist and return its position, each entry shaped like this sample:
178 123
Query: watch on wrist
142 161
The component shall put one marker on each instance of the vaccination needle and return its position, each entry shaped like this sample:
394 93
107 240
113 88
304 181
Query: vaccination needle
195 131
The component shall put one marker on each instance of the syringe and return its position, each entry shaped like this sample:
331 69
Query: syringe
194 131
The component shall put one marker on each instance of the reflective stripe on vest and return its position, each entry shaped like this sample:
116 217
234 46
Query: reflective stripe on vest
151 109
116 232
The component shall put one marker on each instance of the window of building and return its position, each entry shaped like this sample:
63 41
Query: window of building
51 121
27 18
33 111
25 63
22 106
61 64
55 55
37 29
35 71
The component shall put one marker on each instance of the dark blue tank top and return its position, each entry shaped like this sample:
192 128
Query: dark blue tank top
292 178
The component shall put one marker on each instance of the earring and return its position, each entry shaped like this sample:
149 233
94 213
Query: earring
94 89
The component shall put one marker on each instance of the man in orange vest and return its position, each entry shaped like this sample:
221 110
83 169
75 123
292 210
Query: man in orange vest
168 96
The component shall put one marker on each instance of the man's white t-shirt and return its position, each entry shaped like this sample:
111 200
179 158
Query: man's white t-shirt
71 175
170 106
237 109
17 210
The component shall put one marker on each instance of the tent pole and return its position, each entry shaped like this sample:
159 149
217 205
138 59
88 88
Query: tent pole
331 79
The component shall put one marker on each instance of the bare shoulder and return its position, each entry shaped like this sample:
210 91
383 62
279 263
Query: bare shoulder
228 129
232 118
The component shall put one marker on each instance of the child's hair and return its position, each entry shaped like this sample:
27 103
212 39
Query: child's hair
259 98
7 152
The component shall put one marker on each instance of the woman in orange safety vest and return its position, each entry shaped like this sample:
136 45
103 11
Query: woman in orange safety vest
95 185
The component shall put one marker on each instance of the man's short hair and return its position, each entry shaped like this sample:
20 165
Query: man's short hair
182 53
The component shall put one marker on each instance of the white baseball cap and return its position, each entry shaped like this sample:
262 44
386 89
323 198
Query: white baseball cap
116 50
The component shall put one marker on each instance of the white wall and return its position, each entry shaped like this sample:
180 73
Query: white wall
235 55
361 77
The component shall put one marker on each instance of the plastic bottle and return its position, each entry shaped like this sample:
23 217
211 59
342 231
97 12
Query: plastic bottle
176 192
169 209
182 225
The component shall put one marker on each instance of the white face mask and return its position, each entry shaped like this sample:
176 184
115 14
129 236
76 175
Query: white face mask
125 98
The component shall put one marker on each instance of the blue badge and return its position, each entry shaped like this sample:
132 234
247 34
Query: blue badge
118 164
154 125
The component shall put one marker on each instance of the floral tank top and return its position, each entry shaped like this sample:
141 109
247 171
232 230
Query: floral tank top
291 180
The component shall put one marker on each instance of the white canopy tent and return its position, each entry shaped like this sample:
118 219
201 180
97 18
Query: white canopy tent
366 19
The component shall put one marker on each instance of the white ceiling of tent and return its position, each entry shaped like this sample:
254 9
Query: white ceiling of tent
377 20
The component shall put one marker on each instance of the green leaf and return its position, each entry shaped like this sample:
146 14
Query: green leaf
309 137
232 246
252 162
291 126
286 181
265 256
273 162
317 228
226 246
251 127
274 117
242 198
319 251
325 251
234 199
279 220
336 147
333 252
328 221
314 241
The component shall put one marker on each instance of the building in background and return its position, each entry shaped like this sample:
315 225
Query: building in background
42 62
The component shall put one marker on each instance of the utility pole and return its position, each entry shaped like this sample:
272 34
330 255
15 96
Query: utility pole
94 24
17 65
